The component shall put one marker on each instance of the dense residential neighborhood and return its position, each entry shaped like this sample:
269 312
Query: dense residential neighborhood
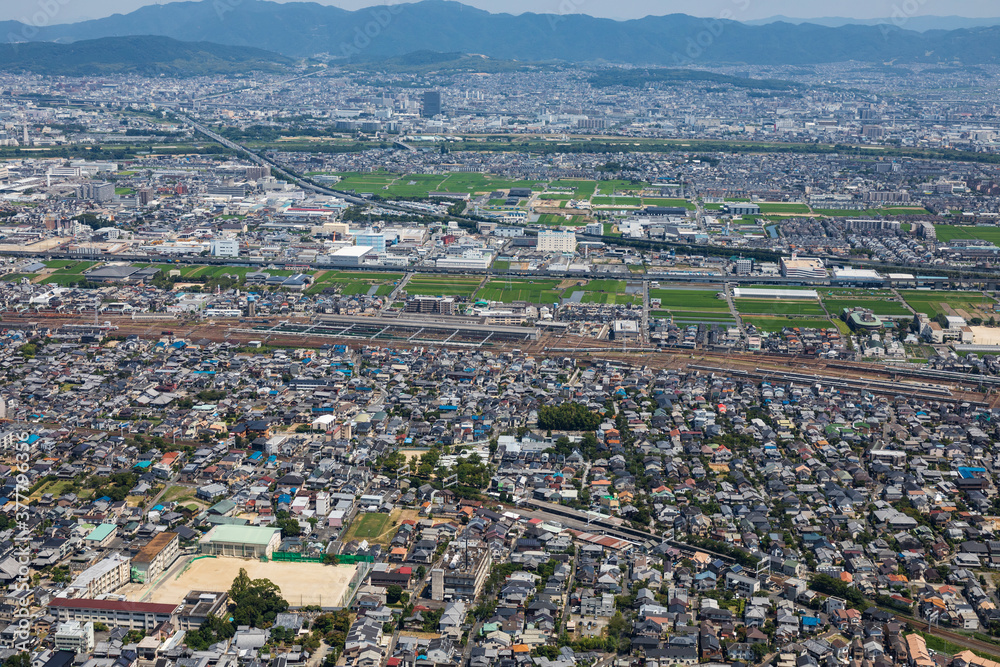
448 361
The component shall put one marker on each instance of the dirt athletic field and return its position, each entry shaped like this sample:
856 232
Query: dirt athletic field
300 583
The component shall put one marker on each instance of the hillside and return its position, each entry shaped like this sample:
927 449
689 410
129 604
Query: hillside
145 55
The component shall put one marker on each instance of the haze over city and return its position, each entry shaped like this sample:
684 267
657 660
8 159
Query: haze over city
77 10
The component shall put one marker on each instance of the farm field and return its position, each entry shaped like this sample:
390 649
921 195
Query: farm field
836 292
610 292
63 279
775 324
355 283
877 306
778 307
443 286
848 213
537 291
963 304
70 265
479 183
689 299
581 189
693 316
779 207
660 201
618 185
616 201
561 220
17 277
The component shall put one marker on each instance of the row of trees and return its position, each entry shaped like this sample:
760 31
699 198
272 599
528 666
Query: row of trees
568 417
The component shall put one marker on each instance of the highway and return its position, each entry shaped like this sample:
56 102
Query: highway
297 180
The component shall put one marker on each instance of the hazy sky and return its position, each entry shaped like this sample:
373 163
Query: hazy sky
75 10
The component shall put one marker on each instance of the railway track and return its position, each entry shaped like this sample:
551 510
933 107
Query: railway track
582 348
953 637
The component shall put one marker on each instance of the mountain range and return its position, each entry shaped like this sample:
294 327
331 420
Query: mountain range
918 23
303 29
146 55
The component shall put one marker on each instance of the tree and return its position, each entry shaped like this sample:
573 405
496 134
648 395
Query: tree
759 651
393 593
22 659
213 629
567 417
255 602
289 527
617 628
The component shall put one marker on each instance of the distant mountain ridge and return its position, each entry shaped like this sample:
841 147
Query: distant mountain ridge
299 29
145 54
917 23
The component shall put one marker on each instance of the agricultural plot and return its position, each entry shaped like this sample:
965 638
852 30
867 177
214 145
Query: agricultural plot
69 265
848 213
610 292
778 207
355 283
705 301
906 210
443 286
616 201
479 183
963 304
877 306
374 182
660 201
561 220
775 324
63 279
843 292
415 185
532 291
16 277
693 316
617 185
581 189
779 307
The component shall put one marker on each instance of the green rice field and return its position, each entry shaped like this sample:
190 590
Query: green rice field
442 286
533 291
689 300
778 307
775 324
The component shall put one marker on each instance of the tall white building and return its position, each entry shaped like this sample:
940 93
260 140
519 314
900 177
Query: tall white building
562 242
75 636
226 248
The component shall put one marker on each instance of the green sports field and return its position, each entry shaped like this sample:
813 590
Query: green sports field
371 525
947 233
